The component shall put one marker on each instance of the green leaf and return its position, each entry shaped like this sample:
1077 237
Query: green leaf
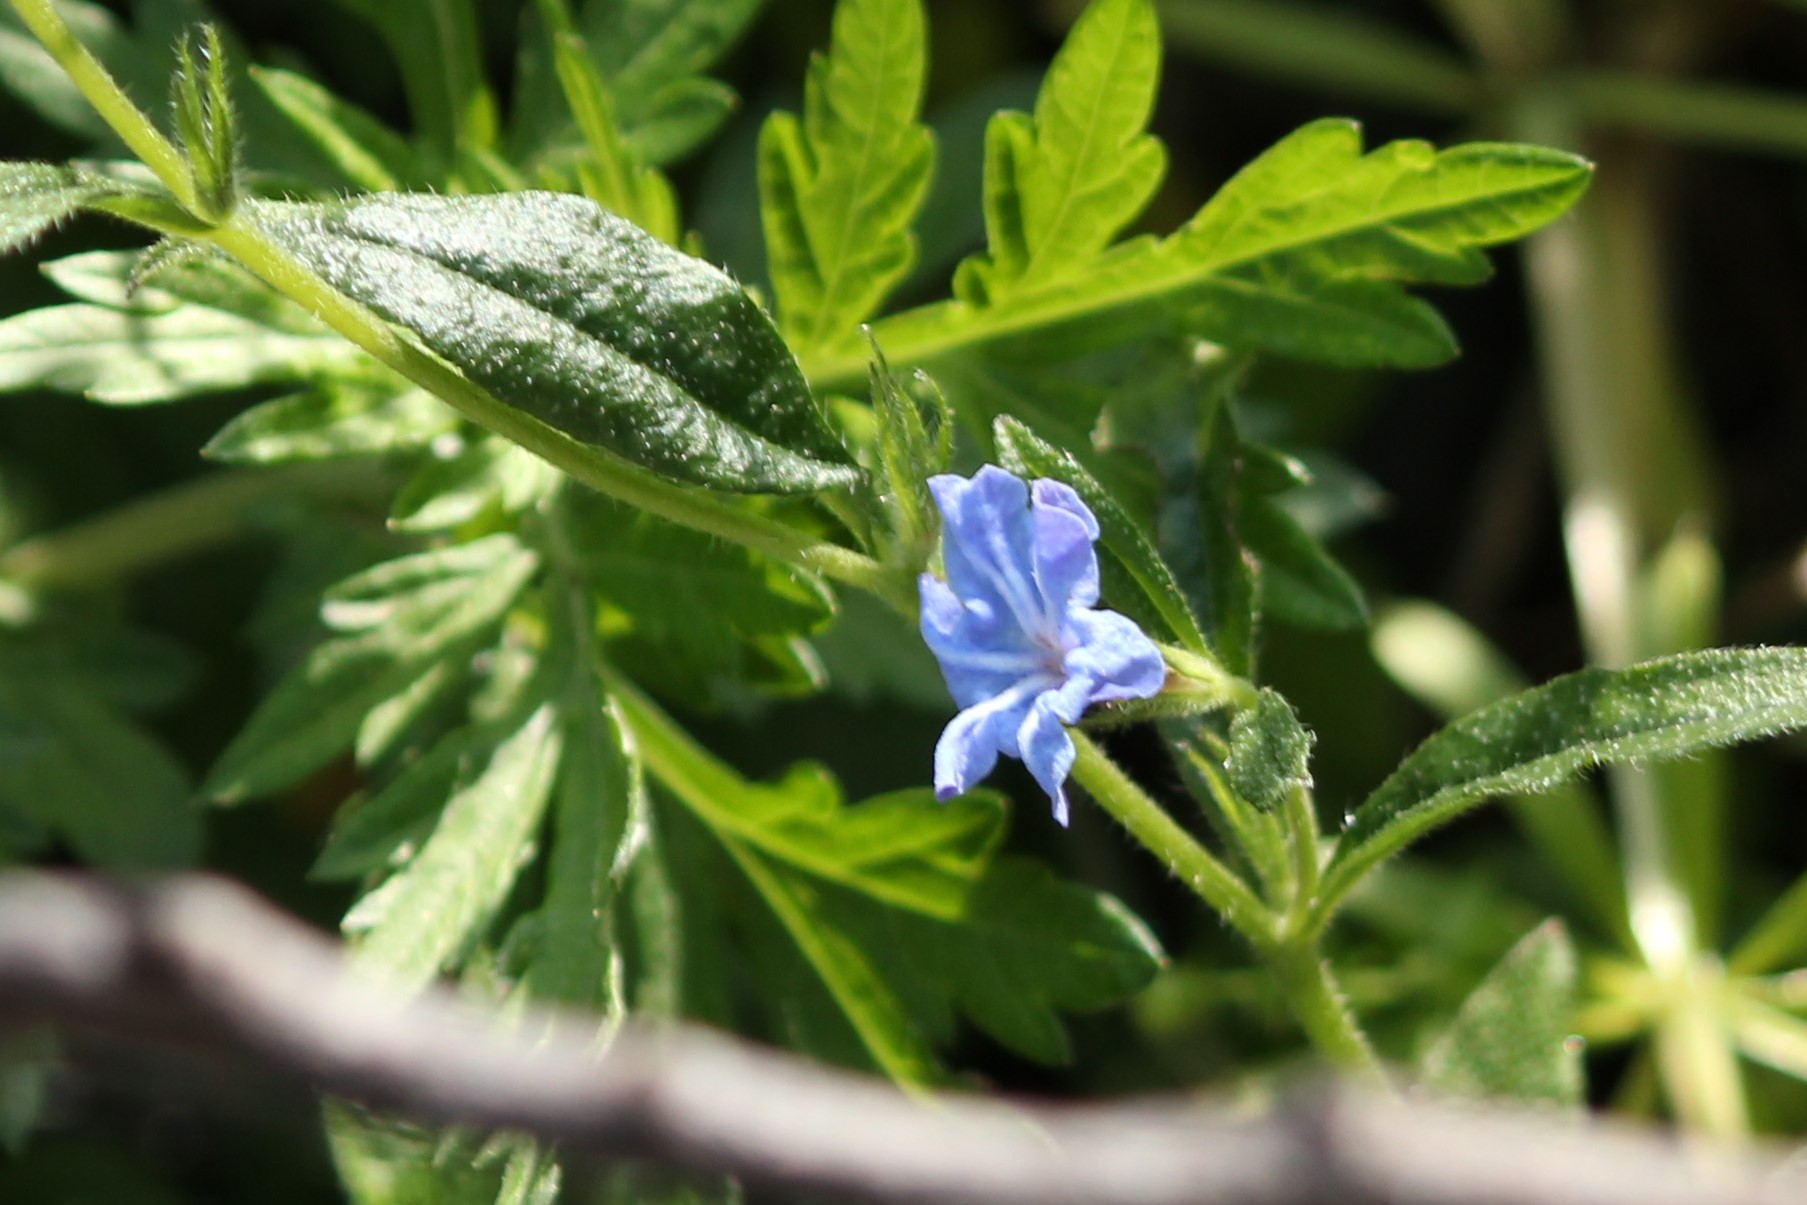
1203 541
598 815
366 154
1027 454
36 196
385 829
585 322
70 763
843 964
915 442
419 921
1061 185
1030 946
343 417
1511 1040
1450 668
613 175
204 327
487 477
1270 752
1308 232
840 189
1299 581
1661 709
29 73
698 607
899 905
399 620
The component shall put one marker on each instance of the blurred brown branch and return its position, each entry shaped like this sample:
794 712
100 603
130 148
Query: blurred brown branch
204 961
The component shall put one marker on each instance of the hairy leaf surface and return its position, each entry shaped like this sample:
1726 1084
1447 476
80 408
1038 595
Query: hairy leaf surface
585 322
1661 709
1510 1041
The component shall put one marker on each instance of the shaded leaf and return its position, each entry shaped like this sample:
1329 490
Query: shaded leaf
367 154
1027 454
116 796
1511 1040
398 620
1299 581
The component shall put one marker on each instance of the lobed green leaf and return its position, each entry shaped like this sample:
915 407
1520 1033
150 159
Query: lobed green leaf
36 196
840 189
401 619
415 924
1060 185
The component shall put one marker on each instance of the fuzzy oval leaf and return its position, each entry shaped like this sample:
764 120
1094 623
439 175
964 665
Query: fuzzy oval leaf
585 322
1661 709
1510 1041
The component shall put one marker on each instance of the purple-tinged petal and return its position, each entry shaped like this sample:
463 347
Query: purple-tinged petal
988 540
1114 653
1048 752
1066 565
1058 495
978 657
970 744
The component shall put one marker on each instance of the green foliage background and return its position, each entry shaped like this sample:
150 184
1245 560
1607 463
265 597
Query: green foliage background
1666 378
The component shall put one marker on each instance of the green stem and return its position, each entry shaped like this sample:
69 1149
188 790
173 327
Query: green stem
1190 862
109 99
1303 840
187 518
1311 991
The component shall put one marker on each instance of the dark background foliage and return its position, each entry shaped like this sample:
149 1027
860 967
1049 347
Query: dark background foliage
1465 510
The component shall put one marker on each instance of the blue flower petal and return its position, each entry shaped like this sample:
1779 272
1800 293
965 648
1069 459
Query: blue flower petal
988 542
1021 649
1066 565
1116 654
970 744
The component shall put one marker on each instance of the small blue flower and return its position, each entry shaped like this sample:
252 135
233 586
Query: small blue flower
1021 645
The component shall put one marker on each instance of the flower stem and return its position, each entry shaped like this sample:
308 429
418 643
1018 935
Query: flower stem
109 100
1294 959
1190 862
1311 991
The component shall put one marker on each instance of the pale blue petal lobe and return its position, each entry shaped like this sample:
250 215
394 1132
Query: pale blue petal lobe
1066 566
1116 654
1048 752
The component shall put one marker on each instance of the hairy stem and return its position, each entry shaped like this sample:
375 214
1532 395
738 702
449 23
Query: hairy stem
109 100
1190 862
